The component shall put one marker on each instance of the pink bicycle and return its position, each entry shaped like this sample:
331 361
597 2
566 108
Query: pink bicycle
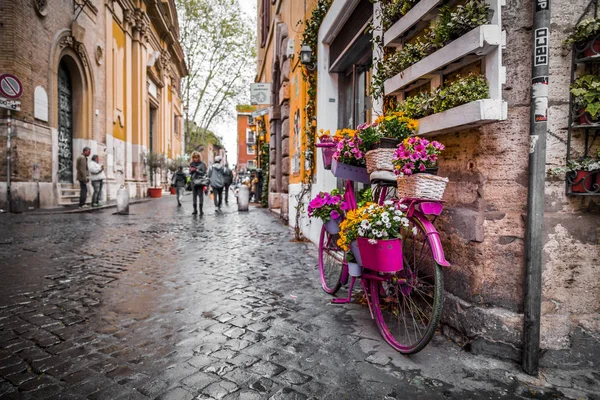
406 304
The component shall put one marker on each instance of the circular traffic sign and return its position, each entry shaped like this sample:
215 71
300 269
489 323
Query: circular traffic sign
10 87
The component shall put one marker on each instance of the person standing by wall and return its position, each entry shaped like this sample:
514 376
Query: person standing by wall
217 181
82 175
198 172
228 175
97 177
179 181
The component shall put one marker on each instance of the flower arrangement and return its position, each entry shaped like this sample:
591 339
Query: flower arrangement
415 155
369 134
348 151
373 222
324 136
326 206
396 125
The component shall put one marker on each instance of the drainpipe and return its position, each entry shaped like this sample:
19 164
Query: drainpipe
8 152
537 178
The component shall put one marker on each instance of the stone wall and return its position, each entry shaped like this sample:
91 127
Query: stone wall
484 224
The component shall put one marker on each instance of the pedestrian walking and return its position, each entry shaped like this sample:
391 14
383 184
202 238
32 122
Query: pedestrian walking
83 175
179 181
228 175
217 181
97 176
199 181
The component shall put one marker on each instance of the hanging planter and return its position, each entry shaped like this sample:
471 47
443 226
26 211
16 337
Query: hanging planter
350 172
380 159
581 181
333 226
381 255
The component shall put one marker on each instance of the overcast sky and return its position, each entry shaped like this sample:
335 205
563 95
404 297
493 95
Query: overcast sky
228 129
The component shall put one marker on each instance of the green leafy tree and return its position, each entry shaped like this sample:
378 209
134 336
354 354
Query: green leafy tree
218 40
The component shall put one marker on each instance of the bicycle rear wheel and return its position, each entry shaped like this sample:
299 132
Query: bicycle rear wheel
407 305
331 262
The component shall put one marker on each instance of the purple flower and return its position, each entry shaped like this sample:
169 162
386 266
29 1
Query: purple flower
334 200
334 214
344 206
414 157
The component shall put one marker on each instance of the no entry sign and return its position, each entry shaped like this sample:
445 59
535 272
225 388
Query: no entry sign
10 87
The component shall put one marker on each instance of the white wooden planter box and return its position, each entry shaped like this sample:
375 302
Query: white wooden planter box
415 15
468 115
480 41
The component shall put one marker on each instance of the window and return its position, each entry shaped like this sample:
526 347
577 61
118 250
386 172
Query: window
265 17
250 164
250 136
354 93
250 120
250 149
177 124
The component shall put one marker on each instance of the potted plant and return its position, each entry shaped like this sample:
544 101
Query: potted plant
348 235
586 101
327 145
579 174
329 208
156 162
460 91
585 36
415 163
349 158
379 236
417 106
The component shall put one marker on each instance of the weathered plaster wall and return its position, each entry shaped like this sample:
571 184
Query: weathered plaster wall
484 226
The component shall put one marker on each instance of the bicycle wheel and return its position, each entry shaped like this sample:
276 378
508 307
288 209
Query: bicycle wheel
331 262
407 305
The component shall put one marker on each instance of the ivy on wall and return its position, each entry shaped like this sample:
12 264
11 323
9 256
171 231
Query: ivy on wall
310 38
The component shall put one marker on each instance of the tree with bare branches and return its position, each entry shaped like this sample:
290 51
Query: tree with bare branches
219 44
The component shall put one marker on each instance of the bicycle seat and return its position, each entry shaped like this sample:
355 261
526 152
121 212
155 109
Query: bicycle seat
387 178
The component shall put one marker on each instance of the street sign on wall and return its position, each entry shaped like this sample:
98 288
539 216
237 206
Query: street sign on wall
13 105
260 93
10 87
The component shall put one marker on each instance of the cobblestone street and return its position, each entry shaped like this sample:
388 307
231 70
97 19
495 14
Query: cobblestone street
163 304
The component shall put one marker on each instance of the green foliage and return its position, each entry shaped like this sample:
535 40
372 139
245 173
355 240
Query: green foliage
364 196
417 106
264 164
155 161
579 164
450 25
584 31
586 90
173 165
461 91
246 108
393 10
370 136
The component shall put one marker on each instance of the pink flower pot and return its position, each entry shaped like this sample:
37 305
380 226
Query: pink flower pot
327 153
382 256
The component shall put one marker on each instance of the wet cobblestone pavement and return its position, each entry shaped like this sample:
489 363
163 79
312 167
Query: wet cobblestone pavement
162 304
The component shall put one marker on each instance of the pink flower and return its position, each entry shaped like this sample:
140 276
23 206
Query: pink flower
433 157
334 200
411 140
419 148
414 157
424 142
334 214
344 206
422 167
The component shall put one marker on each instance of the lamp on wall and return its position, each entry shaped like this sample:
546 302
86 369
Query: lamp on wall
306 57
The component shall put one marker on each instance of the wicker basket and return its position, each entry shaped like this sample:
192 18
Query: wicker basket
421 186
380 160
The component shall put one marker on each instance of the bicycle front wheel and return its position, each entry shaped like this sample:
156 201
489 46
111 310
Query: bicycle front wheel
407 305
331 262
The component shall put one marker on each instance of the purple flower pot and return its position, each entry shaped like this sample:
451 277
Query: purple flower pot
350 172
333 226
356 252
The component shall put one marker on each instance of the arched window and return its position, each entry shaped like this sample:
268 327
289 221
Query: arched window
265 18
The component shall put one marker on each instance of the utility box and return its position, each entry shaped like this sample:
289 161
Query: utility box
122 201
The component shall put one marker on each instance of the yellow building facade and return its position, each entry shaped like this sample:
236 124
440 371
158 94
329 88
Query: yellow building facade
279 42
144 111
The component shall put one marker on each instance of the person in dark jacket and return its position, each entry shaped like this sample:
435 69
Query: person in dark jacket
228 174
179 180
217 181
198 172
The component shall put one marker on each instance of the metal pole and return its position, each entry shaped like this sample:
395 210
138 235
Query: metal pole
537 178
8 152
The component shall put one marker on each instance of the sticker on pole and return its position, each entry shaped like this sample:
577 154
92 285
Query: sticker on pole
10 87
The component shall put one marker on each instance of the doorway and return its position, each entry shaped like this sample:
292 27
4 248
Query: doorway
65 125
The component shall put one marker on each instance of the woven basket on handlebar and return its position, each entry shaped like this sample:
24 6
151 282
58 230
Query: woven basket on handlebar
380 160
422 186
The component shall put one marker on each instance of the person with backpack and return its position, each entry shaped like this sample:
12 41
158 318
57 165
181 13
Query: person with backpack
228 181
216 175
179 181
199 181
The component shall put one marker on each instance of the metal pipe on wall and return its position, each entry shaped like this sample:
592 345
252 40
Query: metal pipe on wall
537 179
8 163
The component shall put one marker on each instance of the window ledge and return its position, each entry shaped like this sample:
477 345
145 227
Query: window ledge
392 36
480 41
470 115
